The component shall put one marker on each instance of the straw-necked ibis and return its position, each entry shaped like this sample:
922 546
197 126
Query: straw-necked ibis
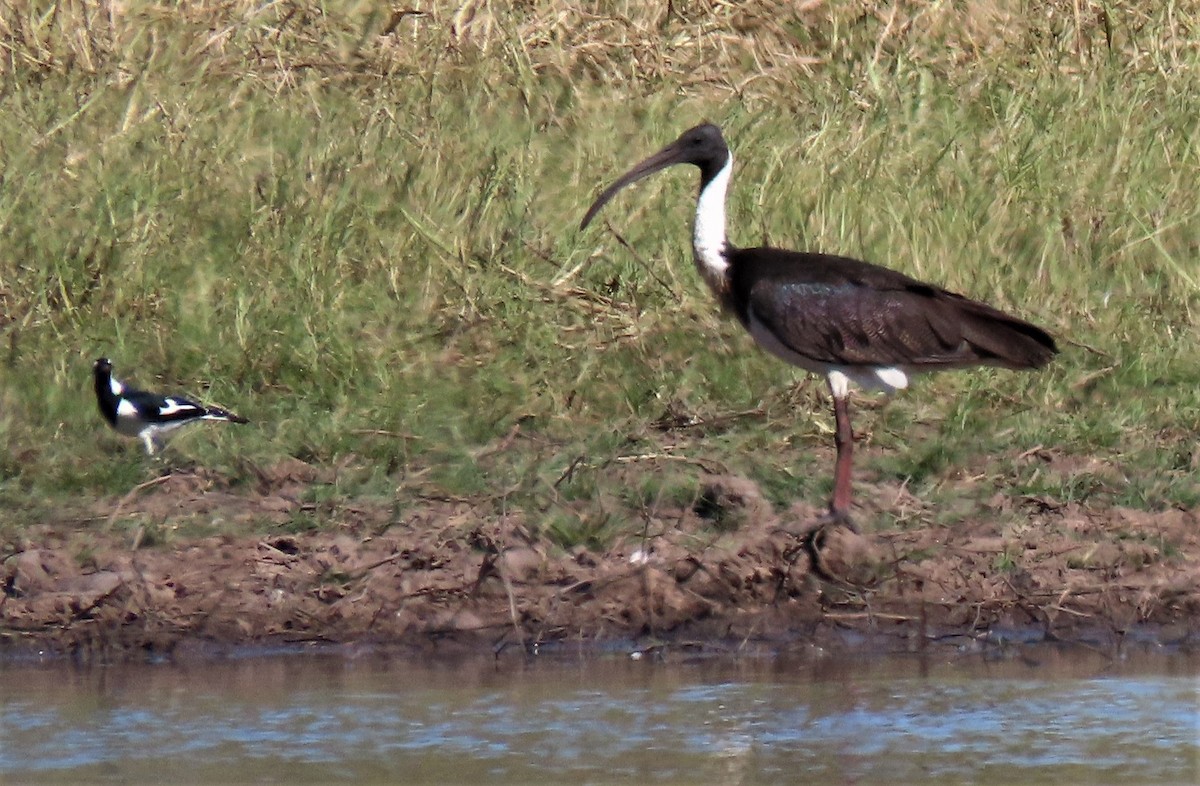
849 320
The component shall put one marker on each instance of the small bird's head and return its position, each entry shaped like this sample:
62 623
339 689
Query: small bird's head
702 146
106 386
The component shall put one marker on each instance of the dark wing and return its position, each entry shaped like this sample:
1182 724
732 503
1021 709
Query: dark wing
154 408
847 312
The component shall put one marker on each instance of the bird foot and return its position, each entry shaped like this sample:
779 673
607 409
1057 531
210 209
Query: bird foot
838 553
817 527
835 517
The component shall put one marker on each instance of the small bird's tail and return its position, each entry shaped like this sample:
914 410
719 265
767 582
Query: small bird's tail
216 413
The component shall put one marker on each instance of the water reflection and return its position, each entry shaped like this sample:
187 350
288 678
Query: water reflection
1062 716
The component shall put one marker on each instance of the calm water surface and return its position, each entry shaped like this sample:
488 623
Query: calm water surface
1050 716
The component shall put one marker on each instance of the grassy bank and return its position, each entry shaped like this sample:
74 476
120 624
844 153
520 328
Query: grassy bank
359 230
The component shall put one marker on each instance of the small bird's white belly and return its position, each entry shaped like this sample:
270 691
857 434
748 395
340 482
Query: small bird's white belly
128 422
132 427
131 424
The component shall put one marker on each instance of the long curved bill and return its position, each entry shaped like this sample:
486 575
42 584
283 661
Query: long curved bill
671 154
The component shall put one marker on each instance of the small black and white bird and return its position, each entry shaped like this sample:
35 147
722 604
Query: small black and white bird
844 318
148 416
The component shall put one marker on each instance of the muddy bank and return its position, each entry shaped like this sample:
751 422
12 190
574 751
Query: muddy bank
450 576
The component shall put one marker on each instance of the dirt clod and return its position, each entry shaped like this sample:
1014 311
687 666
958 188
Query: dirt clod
448 573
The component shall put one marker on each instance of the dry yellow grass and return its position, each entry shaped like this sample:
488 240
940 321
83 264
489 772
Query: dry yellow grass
754 49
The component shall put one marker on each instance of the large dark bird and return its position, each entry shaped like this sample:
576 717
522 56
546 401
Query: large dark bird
148 416
847 319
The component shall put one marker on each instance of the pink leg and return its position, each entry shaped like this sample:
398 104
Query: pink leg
839 507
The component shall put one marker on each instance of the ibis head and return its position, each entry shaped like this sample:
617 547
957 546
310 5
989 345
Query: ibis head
702 147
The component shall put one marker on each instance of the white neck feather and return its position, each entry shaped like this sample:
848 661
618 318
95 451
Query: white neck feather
116 387
708 236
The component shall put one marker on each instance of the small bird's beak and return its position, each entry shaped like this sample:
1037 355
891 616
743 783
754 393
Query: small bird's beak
671 154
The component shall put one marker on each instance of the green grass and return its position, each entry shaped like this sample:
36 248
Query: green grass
360 232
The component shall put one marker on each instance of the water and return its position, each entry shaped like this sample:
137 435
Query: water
1051 716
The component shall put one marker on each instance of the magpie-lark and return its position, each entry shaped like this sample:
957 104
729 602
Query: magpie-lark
148 416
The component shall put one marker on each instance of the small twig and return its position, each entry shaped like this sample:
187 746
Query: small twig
569 472
716 421
707 466
429 236
286 558
358 574
1088 379
81 613
905 534
1088 347
132 493
504 444
512 599
1072 612
1033 451
594 585
384 433
867 615
493 564
883 37
645 265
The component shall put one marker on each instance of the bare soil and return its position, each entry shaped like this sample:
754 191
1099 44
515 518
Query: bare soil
731 572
